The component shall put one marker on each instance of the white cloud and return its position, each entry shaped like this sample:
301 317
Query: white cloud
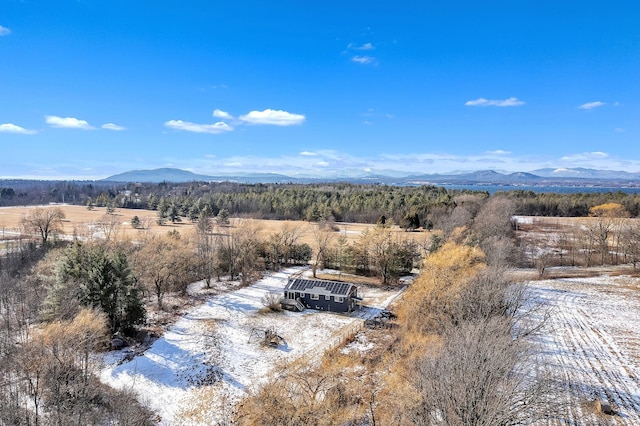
498 152
366 46
218 113
322 164
366 123
67 122
493 102
111 126
586 156
187 126
308 154
591 105
365 60
12 128
4 31
235 164
273 117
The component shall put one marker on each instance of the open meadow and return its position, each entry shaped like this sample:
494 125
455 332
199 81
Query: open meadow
84 223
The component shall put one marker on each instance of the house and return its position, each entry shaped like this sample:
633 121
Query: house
334 296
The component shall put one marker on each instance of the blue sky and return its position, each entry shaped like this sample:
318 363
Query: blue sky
91 88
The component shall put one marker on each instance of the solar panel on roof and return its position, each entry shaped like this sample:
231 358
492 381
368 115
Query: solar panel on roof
334 287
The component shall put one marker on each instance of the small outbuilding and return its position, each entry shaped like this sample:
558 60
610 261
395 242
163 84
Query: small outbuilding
323 295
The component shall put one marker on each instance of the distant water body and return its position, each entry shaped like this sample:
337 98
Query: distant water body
539 189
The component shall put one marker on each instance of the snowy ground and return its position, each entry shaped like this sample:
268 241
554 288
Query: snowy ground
592 345
213 356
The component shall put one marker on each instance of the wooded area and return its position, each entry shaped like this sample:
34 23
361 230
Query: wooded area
408 206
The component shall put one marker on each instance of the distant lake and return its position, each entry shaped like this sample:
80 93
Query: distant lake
538 189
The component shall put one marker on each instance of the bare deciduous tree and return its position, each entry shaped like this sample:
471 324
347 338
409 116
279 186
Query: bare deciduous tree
44 221
237 250
164 264
479 376
606 226
631 241
494 218
499 251
280 244
206 249
323 236
109 226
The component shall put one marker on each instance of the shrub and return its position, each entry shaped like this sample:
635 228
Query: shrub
271 301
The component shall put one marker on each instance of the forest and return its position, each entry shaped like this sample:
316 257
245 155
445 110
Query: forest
342 202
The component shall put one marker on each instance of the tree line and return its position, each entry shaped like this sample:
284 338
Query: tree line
609 236
578 204
410 206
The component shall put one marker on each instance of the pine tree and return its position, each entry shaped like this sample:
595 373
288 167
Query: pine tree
97 279
223 217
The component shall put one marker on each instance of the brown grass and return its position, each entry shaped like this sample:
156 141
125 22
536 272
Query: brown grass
521 275
79 220
355 279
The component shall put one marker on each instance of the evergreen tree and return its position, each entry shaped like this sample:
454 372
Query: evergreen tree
163 211
95 278
223 217
174 213
193 213
410 222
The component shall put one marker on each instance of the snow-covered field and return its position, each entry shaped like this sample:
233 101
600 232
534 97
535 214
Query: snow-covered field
210 358
592 345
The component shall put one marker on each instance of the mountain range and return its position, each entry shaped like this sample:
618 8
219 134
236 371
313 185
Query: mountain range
539 177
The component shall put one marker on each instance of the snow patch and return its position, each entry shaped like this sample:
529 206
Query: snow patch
218 346
592 345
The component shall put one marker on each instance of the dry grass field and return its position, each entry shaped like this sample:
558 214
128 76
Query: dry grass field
82 222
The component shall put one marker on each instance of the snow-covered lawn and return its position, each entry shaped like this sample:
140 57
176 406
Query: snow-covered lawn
210 358
592 345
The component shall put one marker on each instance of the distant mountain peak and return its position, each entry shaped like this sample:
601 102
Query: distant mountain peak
158 175
389 177
583 173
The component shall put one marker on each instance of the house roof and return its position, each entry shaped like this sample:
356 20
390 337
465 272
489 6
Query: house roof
320 286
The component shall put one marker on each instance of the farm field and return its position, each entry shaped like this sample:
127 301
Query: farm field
213 356
591 344
81 222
